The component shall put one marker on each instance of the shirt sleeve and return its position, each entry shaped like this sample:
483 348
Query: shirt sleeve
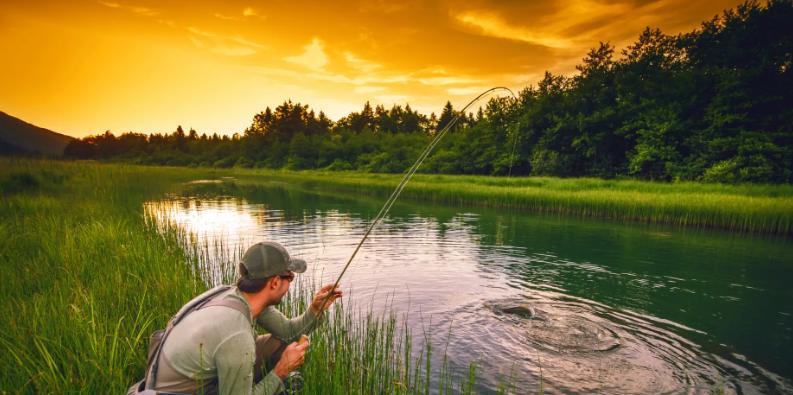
234 359
288 330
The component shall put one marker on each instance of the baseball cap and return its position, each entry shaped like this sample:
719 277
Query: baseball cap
267 258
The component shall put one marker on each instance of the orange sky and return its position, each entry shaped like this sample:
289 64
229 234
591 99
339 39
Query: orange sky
82 67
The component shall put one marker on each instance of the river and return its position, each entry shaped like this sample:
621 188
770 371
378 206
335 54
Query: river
584 306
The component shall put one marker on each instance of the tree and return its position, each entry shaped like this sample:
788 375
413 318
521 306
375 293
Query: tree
447 115
179 139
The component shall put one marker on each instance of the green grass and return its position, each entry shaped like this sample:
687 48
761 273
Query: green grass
86 279
741 208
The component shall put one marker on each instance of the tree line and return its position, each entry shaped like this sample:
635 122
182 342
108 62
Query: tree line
715 105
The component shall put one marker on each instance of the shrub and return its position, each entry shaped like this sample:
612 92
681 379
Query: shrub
339 165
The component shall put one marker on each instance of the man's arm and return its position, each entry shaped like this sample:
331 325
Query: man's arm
288 330
234 359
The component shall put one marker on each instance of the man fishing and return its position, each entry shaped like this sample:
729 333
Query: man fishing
211 345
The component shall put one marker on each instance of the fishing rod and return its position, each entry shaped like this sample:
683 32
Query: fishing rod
398 190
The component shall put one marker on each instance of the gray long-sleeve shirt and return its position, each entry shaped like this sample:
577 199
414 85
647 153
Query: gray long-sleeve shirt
219 342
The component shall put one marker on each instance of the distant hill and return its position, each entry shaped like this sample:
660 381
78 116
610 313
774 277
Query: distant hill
20 137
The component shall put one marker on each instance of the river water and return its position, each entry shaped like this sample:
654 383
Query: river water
573 306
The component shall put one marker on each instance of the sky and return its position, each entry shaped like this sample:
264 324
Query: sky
82 67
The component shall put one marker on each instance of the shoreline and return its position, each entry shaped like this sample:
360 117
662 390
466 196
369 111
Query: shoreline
756 209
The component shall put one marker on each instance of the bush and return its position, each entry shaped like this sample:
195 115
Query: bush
339 165
243 162
226 162
383 162
443 161
737 170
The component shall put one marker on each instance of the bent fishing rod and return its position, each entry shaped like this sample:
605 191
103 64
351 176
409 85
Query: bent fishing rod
398 190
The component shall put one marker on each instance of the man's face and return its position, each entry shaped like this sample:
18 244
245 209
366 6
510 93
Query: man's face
285 279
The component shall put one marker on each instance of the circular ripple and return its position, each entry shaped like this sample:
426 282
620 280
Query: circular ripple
518 310
559 331
571 334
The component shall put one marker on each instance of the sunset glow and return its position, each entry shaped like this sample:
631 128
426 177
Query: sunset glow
84 67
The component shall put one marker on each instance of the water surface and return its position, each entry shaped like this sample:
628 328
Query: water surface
588 305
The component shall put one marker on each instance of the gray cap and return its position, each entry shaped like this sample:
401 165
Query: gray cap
267 259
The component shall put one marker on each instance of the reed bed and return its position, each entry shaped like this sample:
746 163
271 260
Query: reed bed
86 279
747 208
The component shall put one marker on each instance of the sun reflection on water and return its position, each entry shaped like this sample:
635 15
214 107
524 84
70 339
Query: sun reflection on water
206 219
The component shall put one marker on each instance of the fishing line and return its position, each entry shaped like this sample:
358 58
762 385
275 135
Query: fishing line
402 183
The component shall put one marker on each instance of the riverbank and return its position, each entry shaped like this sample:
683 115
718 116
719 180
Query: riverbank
766 209
87 278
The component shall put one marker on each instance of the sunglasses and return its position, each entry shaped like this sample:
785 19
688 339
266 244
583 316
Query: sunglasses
288 277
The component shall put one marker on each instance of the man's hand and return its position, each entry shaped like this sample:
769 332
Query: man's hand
326 295
292 358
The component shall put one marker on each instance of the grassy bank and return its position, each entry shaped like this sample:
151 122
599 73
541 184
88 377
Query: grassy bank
86 279
743 208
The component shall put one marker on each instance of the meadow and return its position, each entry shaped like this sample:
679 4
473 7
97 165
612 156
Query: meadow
86 279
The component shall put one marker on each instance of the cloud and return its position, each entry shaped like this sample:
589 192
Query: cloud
313 56
109 4
248 11
368 89
447 80
361 65
363 82
142 11
225 17
492 25
233 50
198 43
466 91
359 80
167 22
576 25
222 44
383 6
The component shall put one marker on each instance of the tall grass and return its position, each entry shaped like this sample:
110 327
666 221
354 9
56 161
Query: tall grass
86 278
742 208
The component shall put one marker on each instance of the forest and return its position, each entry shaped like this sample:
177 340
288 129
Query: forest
711 105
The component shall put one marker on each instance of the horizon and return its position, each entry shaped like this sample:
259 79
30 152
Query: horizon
82 69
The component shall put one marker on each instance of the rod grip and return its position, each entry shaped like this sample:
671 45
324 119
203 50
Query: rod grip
303 340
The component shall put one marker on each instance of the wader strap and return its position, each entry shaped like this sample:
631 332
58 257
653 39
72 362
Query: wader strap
194 304
235 304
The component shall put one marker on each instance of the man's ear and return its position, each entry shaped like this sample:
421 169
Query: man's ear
272 282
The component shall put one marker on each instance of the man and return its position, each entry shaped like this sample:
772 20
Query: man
215 348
